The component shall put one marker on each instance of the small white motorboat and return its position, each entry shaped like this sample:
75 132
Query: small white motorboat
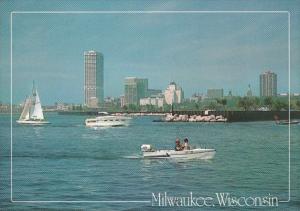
105 120
197 153
287 122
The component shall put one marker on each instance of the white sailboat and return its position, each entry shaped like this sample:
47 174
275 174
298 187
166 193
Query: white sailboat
32 113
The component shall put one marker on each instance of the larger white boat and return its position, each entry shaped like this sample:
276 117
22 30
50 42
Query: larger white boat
32 113
198 153
106 120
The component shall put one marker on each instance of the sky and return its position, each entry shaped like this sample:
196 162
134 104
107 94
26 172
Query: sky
197 51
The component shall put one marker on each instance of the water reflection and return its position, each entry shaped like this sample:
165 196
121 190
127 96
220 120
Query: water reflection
38 132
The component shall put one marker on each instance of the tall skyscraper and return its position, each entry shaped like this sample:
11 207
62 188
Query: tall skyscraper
174 94
93 79
135 89
268 84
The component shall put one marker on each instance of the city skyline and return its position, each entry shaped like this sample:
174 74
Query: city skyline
203 54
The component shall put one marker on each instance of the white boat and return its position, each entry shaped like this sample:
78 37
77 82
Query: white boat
106 120
32 113
197 153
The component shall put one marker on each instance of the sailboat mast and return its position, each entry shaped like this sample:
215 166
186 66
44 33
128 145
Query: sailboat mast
32 98
29 98
33 89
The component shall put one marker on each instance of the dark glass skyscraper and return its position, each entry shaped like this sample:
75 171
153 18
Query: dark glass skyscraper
135 89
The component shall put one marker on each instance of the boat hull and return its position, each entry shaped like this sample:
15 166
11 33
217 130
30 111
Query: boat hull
106 124
288 123
32 122
108 121
184 154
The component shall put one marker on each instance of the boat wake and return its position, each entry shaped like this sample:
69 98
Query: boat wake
133 157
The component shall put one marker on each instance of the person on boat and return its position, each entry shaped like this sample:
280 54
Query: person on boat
178 146
186 145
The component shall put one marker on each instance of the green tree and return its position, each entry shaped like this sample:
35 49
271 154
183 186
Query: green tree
133 108
268 101
242 103
125 108
256 103
247 103
278 105
167 108
212 106
298 104
150 108
222 102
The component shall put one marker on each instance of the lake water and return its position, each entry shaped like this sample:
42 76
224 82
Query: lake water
66 161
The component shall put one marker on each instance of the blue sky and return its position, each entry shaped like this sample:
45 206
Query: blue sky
198 51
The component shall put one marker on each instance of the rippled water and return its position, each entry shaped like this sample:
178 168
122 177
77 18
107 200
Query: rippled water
66 161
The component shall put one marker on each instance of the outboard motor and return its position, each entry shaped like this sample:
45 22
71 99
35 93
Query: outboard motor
146 148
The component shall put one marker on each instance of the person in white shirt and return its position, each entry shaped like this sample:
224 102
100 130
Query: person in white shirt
186 144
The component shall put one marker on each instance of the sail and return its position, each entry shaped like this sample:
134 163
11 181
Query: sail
26 109
37 111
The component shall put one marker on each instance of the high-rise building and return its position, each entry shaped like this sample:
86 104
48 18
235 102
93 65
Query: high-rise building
268 84
174 94
215 93
135 89
93 79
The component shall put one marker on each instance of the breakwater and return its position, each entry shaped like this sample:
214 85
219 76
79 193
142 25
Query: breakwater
193 118
246 116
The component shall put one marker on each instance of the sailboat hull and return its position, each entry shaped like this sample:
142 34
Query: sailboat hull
32 122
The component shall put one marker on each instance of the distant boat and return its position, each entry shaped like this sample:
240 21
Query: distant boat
292 122
32 113
105 120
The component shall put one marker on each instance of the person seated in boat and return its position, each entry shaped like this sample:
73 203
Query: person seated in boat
186 145
178 146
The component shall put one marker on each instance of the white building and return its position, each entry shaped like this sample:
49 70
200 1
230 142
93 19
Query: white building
155 101
122 101
174 94
63 107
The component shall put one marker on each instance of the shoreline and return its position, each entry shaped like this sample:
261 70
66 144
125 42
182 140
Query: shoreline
230 116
